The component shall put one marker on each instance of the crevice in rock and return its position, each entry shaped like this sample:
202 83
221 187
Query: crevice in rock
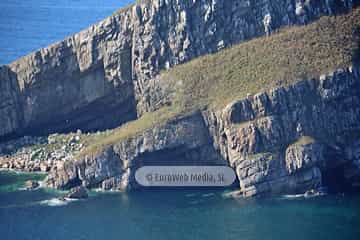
334 179
75 182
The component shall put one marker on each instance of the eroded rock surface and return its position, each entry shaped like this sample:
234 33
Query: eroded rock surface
293 138
184 141
107 75
111 66
286 140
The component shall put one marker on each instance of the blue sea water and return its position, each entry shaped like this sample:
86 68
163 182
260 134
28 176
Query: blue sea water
27 25
172 214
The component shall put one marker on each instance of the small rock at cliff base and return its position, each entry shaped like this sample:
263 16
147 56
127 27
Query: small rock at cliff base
31 185
77 193
315 192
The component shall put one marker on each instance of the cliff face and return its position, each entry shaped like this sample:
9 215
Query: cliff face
293 139
286 140
73 84
110 67
184 141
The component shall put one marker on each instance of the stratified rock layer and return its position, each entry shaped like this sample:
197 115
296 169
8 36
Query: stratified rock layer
180 142
104 75
286 140
293 138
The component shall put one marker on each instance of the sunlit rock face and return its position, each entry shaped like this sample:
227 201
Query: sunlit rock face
291 139
285 140
185 141
105 75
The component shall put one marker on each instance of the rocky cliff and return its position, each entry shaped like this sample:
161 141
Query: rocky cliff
300 135
286 140
110 66
293 139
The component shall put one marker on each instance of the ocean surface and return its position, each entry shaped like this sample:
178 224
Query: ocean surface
171 214
27 25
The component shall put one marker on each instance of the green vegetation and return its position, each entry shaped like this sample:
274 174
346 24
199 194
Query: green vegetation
293 54
147 121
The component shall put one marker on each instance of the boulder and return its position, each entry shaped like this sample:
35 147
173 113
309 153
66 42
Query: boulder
77 193
31 185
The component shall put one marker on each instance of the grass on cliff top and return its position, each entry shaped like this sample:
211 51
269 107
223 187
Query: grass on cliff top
214 80
147 121
295 53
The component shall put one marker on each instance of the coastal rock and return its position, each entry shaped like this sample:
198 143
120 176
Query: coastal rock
108 74
289 140
32 154
111 67
302 156
31 185
277 141
184 141
77 193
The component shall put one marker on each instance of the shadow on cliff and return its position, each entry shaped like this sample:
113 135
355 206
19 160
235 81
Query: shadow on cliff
27 114
11 113
356 53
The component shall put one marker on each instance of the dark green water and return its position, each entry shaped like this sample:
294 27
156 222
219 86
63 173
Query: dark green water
170 214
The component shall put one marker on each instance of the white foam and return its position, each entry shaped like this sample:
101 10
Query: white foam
208 195
42 184
55 202
98 190
190 195
293 196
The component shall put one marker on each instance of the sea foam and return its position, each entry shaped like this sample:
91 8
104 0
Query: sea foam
55 202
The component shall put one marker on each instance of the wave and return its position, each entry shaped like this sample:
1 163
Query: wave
56 202
304 195
293 196
190 195
208 195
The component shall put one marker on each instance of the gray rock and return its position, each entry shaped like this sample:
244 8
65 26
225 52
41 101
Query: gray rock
260 136
112 66
31 185
300 157
77 193
184 141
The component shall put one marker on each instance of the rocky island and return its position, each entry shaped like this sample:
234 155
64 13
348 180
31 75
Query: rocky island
269 88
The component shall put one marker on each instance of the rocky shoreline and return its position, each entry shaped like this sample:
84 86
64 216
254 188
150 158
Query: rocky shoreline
276 142
283 140
39 154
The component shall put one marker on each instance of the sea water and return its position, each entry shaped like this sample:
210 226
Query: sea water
27 25
171 214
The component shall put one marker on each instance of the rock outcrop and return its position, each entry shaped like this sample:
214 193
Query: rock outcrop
110 67
286 140
34 154
77 193
31 185
295 138
184 141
